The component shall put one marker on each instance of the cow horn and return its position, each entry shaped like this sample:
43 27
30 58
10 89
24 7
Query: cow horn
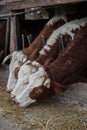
6 58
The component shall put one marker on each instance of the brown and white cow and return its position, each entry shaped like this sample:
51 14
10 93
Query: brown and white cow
29 66
43 82
33 50
69 67
18 57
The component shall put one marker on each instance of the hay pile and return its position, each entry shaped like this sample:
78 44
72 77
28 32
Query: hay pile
48 115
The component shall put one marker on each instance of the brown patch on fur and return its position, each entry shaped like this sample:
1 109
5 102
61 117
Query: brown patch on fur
16 72
41 92
71 62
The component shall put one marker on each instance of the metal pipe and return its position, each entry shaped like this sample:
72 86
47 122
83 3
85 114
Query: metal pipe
43 39
61 43
28 38
22 40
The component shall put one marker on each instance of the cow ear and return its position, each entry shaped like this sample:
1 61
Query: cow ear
57 87
47 83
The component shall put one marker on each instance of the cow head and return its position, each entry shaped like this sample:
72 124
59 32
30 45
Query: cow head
23 78
38 88
17 59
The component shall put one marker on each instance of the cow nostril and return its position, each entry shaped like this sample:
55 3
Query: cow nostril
18 103
13 96
9 91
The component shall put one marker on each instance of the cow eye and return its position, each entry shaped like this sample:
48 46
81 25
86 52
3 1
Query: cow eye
20 63
26 83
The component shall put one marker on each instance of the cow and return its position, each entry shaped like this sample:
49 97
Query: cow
70 66
29 67
50 26
35 47
41 83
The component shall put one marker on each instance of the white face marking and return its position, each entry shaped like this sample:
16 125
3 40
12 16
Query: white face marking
23 78
47 83
35 80
56 18
17 57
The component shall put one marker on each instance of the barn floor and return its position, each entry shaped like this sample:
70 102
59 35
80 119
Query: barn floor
68 112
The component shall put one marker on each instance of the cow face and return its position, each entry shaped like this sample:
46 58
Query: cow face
23 78
16 60
36 88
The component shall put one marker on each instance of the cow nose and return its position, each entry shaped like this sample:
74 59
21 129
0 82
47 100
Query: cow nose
13 96
9 90
17 102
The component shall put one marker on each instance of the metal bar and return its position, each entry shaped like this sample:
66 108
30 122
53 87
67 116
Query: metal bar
19 13
61 43
22 40
28 38
43 39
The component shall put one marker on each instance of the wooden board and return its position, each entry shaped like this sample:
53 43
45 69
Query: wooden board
21 4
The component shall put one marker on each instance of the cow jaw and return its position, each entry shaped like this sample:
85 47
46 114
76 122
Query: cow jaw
35 80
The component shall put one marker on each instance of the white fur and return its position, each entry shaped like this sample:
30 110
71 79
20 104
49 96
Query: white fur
42 52
17 57
47 48
51 22
35 80
36 64
56 18
47 83
65 29
23 78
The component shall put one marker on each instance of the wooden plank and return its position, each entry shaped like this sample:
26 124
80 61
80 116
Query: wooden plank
8 1
37 3
13 38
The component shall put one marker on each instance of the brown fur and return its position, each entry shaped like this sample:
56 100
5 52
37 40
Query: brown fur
53 53
67 66
41 92
71 63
